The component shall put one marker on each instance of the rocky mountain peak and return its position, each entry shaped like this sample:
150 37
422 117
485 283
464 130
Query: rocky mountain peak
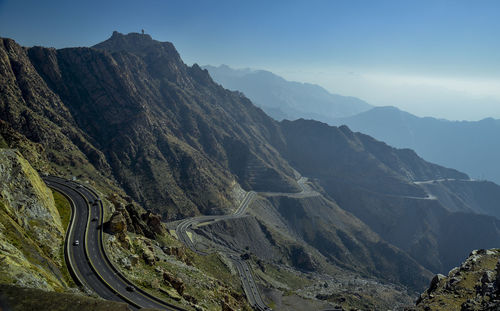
139 44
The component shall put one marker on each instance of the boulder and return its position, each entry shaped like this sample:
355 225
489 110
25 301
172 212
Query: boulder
302 259
148 257
154 223
175 282
435 282
125 262
117 223
139 220
178 252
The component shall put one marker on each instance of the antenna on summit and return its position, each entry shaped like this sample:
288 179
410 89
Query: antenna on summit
142 31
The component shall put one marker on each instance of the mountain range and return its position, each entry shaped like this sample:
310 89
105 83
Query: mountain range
282 99
128 116
464 145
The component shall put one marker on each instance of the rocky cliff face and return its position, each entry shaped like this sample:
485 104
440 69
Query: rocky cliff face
130 116
376 183
31 233
311 234
474 196
132 111
474 285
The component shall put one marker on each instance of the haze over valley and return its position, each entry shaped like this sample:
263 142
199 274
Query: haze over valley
465 145
135 175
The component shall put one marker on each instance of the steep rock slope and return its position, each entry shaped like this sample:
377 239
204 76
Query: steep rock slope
464 145
345 241
34 120
165 129
375 182
474 285
161 129
480 197
129 113
31 232
335 153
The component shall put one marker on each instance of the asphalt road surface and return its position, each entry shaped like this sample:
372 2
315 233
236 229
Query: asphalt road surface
93 270
88 261
306 191
244 269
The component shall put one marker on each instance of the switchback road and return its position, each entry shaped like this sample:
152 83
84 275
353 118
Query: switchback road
244 269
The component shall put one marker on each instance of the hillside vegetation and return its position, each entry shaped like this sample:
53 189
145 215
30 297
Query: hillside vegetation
162 141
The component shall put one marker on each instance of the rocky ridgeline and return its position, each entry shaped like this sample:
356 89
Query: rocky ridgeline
31 234
132 218
475 285
130 117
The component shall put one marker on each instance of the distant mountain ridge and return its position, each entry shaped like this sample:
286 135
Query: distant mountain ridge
282 99
465 145
130 114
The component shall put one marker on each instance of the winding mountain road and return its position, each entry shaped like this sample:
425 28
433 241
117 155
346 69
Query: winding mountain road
93 270
440 180
88 262
244 269
305 191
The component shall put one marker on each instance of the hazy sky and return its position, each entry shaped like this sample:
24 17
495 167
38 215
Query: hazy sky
436 58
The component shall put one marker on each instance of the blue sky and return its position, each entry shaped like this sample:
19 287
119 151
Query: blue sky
438 58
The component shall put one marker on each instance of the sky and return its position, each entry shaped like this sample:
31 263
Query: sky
428 57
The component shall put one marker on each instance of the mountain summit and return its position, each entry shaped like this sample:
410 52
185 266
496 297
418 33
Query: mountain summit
128 116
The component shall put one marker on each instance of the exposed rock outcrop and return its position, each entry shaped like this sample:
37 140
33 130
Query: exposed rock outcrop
148 256
131 116
31 233
178 252
132 218
175 282
302 259
117 223
472 286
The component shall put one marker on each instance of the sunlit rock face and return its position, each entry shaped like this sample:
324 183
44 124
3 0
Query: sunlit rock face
31 233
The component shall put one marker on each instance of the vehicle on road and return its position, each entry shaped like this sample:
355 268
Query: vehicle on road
95 219
76 243
130 288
